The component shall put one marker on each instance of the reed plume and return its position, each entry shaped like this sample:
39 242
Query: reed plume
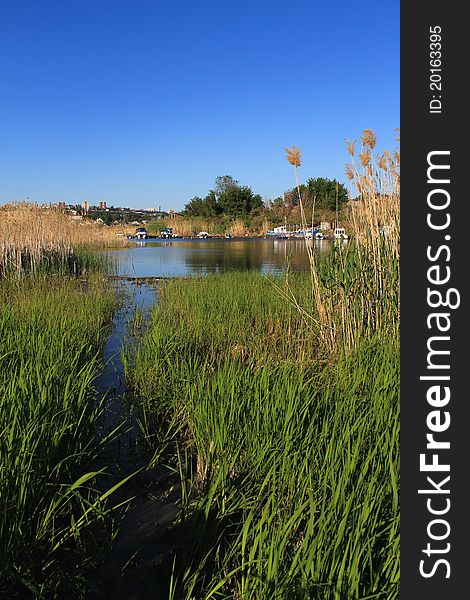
356 290
293 156
369 138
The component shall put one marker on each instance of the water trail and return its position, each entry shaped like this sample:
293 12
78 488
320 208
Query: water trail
121 451
133 568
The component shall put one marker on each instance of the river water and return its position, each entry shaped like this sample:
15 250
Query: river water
134 568
182 257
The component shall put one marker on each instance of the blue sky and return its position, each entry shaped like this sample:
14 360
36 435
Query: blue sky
143 103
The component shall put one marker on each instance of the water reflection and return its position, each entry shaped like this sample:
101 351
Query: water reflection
186 257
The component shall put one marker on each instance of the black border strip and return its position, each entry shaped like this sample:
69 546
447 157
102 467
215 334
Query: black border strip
434 568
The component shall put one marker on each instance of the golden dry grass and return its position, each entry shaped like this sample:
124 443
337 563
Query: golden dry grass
237 228
371 305
28 234
190 227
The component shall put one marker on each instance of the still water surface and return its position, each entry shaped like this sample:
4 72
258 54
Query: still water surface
176 258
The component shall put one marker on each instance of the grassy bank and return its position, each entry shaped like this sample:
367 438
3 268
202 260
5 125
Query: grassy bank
291 456
51 331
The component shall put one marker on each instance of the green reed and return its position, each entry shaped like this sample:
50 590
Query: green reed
51 332
79 260
288 456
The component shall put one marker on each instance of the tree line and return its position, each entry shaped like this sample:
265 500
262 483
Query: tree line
234 200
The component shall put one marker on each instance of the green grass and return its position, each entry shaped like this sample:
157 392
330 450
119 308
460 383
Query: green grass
80 260
288 457
240 313
51 331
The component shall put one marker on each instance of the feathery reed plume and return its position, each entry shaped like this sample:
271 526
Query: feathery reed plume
365 157
372 302
293 156
369 138
356 290
382 161
387 159
350 146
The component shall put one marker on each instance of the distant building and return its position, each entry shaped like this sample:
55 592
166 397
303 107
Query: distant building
85 207
325 226
102 205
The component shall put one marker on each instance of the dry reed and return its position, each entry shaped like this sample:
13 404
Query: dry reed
237 228
293 157
190 227
356 293
29 235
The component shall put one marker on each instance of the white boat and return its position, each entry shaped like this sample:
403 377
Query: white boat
141 233
341 234
203 235
167 233
319 235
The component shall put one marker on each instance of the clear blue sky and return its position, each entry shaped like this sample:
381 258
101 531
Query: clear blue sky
143 103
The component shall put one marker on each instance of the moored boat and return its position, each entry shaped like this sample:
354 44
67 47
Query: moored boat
340 234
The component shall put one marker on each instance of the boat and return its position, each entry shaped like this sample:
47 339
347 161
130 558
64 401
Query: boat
319 235
341 234
141 233
167 233
203 235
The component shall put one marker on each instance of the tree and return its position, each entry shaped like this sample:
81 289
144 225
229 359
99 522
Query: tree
291 197
278 207
228 198
328 193
202 207
224 183
239 201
